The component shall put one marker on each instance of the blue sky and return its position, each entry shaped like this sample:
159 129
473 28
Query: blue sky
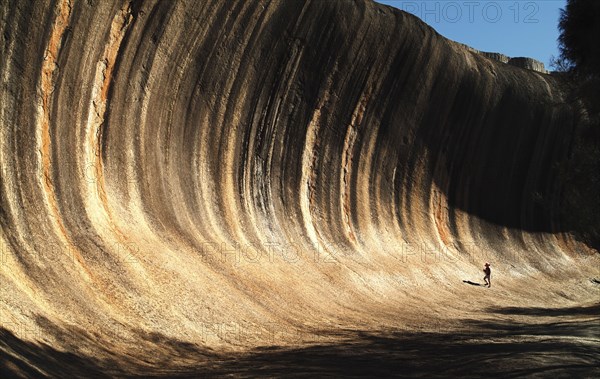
514 28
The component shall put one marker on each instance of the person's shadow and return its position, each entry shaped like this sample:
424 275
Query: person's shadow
472 283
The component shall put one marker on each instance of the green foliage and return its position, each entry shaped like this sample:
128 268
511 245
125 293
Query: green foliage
580 57
579 27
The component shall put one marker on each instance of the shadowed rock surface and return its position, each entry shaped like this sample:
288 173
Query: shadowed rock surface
195 187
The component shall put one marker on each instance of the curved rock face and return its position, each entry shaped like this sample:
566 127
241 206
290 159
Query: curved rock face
241 173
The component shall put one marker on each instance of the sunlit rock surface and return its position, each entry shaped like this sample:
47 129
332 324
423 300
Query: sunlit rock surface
184 179
528 63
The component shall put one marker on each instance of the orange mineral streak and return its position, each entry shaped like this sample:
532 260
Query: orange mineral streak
118 29
49 68
98 205
441 218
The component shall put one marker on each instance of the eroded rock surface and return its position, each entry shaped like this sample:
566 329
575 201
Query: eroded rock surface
528 63
185 178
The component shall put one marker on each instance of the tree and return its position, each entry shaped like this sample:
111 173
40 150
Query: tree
561 64
579 27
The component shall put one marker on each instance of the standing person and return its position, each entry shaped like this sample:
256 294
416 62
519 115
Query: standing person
488 271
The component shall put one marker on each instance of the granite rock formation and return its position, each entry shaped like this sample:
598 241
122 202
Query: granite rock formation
522 62
226 174
528 63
